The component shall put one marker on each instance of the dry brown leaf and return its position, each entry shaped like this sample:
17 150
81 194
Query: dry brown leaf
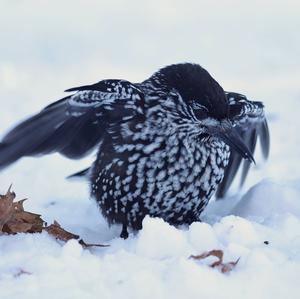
227 267
59 233
6 207
14 227
224 267
14 219
217 253
25 222
18 206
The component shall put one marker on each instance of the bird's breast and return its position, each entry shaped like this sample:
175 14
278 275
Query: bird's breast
165 176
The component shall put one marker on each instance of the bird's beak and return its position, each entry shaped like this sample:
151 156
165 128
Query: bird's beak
227 133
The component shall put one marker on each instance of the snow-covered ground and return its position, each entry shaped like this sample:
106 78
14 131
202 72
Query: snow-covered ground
48 46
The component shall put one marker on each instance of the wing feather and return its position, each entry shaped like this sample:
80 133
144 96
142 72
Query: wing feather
72 126
251 124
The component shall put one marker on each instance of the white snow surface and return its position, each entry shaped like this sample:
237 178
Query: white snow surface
254 49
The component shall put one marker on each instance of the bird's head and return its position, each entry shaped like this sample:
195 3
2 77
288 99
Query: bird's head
197 100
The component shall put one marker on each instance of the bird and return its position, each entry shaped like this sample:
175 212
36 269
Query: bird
164 146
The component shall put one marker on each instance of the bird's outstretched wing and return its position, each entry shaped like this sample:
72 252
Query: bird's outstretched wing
250 123
73 125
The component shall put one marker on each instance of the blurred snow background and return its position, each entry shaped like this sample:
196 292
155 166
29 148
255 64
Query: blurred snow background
248 47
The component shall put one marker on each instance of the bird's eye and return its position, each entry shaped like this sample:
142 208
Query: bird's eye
200 111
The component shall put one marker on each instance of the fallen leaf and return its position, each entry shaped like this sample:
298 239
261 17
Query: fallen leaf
224 267
14 219
6 207
17 220
229 266
59 233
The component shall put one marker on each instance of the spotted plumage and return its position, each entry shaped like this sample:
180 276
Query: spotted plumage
164 146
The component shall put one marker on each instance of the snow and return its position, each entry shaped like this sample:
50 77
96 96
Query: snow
156 264
252 48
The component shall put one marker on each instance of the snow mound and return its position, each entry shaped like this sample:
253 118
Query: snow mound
156 262
160 240
269 198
